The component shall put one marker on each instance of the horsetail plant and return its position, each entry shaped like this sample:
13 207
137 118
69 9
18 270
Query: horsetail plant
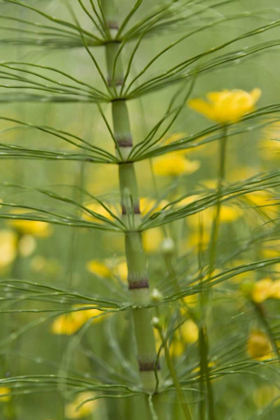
182 306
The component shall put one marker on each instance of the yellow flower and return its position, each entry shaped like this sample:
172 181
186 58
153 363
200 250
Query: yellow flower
148 205
177 348
30 227
99 209
264 395
265 289
121 270
275 290
270 144
85 410
226 106
271 249
175 164
188 200
186 334
262 290
228 214
210 365
258 346
195 240
68 324
262 201
8 247
4 394
190 300
26 245
189 332
99 269
152 240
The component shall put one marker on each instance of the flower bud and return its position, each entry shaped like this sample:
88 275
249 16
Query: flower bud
167 246
156 323
156 296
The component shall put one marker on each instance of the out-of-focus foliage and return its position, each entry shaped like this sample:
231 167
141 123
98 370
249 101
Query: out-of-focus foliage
66 336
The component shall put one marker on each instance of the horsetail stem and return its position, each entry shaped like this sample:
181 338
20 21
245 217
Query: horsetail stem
138 281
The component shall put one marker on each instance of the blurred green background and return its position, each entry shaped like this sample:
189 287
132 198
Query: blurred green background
60 259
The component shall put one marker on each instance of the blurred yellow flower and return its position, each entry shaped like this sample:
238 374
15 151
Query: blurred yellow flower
99 209
265 394
228 214
98 268
177 348
175 164
188 200
85 410
4 394
275 289
148 205
8 247
258 346
270 144
186 334
30 227
108 268
152 239
271 249
262 200
190 300
262 290
189 332
26 245
121 270
198 241
68 324
210 365
265 289
226 106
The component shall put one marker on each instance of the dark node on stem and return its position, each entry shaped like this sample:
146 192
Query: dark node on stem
136 209
148 366
113 25
139 284
125 142
115 82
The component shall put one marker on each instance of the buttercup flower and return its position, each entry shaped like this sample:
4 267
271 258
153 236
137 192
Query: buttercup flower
265 289
85 410
148 205
258 346
152 239
226 106
4 394
99 268
270 144
186 334
68 324
8 247
265 394
30 227
99 209
175 163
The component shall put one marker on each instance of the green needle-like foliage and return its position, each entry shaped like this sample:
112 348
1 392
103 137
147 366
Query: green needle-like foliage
126 312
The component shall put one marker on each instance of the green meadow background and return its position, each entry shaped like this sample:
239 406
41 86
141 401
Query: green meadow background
27 343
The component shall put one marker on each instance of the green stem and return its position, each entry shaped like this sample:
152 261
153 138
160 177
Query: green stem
216 222
138 281
205 376
174 376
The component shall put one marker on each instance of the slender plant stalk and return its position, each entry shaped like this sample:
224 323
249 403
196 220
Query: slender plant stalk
174 376
216 221
138 281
